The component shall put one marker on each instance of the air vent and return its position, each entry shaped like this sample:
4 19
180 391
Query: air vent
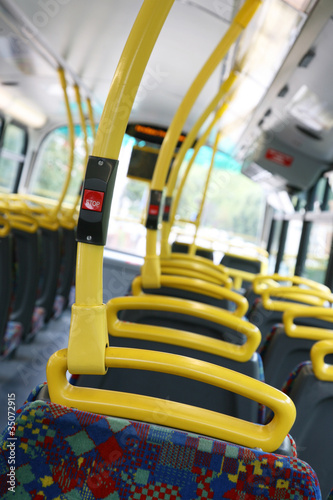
284 91
309 133
307 58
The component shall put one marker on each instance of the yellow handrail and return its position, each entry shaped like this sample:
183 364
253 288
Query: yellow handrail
179 265
151 268
293 293
187 144
198 286
206 312
260 282
322 370
189 418
307 332
192 247
5 229
89 312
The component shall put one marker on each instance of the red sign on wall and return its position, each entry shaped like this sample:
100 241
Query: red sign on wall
278 157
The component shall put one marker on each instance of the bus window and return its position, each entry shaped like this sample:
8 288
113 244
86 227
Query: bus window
12 154
318 251
234 205
288 263
126 231
51 164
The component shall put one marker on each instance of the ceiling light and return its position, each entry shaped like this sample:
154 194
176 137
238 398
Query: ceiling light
308 109
22 110
302 5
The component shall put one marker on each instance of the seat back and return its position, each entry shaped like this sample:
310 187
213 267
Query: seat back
290 344
312 429
184 247
5 285
64 452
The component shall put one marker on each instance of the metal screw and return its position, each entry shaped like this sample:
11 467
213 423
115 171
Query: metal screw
101 162
89 238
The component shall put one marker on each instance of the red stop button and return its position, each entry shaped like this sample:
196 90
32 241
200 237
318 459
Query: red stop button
93 200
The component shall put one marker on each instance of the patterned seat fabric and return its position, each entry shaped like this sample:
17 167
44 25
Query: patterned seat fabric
288 385
65 453
330 496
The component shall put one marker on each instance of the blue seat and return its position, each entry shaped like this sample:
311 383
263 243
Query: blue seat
313 398
62 452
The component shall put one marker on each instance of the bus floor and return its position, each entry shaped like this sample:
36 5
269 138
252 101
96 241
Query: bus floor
27 368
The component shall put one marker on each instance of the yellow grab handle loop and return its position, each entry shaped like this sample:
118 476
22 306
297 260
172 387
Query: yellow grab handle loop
307 332
23 222
198 286
5 229
177 415
194 269
295 293
260 282
173 336
322 370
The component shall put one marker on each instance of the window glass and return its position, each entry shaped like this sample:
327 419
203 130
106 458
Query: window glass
287 267
318 251
51 164
12 156
232 212
274 247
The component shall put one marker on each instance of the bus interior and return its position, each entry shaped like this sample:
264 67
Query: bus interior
166 249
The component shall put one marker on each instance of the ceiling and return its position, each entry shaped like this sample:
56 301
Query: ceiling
87 38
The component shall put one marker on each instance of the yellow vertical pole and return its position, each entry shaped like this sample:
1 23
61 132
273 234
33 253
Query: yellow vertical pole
204 194
88 330
91 117
63 84
190 138
151 268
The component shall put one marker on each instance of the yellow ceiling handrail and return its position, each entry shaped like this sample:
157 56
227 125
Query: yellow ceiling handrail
189 418
307 332
206 312
322 370
201 287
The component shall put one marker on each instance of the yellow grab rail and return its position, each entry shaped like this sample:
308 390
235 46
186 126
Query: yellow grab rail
192 267
307 332
180 416
23 222
201 287
263 281
173 336
322 370
293 293
5 229
88 329
187 144
151 267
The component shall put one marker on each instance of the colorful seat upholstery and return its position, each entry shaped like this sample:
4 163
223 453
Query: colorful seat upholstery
65 453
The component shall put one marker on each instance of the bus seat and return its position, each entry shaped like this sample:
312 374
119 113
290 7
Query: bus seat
312 394
63 451
184 247
291 343
330 495
49 274
5 283
26 263
127 333
67 270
